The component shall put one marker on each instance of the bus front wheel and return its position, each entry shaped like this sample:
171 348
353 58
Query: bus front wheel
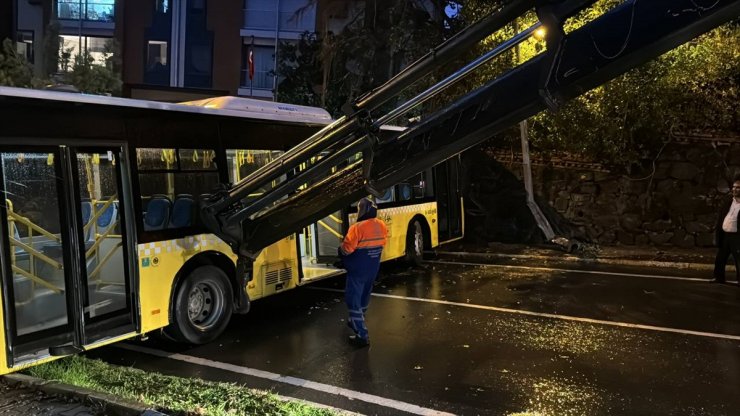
414 243
202 306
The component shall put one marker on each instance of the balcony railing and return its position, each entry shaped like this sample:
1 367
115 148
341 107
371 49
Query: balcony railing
91 10
263 80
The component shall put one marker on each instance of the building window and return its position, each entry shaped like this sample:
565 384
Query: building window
24 44
162 6
171 181
93 10
198 65
264 67
157 71
71 48
156 53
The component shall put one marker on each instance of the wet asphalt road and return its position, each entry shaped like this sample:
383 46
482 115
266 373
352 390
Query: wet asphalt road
486 340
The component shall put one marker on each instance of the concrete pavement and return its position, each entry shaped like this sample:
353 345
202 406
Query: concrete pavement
696 258
28 396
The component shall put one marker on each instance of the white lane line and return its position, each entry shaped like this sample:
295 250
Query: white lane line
552 316
557 269
294 381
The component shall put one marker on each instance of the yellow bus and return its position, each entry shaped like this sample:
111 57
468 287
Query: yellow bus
101 239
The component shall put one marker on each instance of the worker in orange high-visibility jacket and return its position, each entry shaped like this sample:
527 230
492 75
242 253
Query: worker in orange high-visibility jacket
360 253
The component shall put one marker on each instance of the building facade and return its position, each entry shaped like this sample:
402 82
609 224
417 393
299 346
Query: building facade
81 26
180 49
266 24
171 50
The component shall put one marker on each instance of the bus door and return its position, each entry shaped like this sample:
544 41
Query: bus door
318 247
449 202
65 254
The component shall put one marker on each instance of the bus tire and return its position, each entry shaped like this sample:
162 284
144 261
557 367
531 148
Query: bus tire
202 306
414 243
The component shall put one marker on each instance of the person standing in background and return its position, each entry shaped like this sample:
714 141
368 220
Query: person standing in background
726 234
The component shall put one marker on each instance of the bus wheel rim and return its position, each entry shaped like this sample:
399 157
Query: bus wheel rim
205 305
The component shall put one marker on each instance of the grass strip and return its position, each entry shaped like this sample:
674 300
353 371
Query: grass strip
173 395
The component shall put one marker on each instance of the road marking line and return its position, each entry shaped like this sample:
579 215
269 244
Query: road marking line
556 269
552 316
294 381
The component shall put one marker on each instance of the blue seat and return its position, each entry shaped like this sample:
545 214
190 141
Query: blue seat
157 213
182 211
108 218
86 209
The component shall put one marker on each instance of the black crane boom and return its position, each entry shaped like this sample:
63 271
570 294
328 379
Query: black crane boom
627 36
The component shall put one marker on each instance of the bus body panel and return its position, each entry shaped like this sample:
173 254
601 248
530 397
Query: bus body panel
275 270
398 219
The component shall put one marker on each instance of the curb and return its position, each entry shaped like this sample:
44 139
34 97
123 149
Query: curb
111 405
575 259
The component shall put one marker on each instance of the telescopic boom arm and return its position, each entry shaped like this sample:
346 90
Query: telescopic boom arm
627 36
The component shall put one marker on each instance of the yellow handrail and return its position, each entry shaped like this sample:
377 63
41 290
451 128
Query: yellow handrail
331 230
25 221
35 253
37 279
98 212
99 239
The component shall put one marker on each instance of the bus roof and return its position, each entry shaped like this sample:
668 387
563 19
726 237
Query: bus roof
250 106
230 106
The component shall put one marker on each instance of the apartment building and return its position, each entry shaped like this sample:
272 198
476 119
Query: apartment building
174 50
266 24
82 26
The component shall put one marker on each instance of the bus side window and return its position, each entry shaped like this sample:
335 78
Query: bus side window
427 178
244 162
170 181
405 191
388 196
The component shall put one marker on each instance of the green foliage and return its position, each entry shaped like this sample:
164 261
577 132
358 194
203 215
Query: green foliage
626 121
694 87
91 77
175 395
301 68
15 71
329 69
51 44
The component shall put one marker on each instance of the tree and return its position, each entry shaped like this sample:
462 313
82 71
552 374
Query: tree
91 77
331 69
627 120
15 71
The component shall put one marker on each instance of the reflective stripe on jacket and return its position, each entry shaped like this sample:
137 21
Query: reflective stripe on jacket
370 233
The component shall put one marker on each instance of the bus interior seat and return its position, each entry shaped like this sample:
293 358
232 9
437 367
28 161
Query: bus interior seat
86 209
157 213
406 191
108 218
182 211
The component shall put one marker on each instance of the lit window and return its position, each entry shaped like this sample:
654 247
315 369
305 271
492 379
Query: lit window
70 49
24 44
156 54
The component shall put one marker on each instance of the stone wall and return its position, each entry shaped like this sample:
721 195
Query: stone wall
676 204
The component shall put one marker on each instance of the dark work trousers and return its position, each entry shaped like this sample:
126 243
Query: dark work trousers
730 245
362 268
